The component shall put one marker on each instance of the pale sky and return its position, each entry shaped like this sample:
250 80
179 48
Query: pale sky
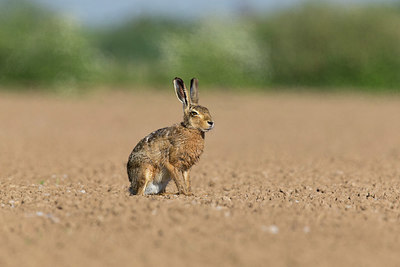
95 12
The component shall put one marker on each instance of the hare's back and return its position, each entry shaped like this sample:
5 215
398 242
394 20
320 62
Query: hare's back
153 148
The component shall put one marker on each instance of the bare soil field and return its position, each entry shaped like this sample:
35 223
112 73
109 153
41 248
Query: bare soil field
285 180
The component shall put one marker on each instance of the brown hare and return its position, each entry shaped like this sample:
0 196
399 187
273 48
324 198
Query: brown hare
170 152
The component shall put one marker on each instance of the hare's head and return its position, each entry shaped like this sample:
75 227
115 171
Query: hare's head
194 115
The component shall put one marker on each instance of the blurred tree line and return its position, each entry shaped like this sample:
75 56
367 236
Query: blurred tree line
326 46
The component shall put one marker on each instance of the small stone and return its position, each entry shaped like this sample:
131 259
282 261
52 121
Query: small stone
52 218
225 198
273 229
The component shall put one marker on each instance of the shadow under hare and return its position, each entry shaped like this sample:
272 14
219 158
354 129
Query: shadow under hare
170 152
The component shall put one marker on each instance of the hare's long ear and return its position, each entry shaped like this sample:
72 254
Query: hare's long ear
181 92
194 90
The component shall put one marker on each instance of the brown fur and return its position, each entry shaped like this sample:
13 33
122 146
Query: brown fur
170 152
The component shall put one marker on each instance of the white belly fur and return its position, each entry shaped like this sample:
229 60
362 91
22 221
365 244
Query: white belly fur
159 183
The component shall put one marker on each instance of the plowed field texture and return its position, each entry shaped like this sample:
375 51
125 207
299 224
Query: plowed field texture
285 180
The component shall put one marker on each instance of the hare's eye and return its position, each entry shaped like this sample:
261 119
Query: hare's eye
194 113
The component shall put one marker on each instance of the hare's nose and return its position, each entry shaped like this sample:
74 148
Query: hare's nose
211 123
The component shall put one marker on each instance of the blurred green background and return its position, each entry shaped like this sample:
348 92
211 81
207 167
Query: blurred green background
324 45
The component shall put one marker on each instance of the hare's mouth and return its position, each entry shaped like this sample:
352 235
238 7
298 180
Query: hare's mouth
208 129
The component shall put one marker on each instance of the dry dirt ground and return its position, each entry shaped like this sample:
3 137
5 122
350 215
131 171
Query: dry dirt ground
285 180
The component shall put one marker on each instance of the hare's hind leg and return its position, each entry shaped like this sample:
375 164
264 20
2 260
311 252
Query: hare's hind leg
146 176
133 175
